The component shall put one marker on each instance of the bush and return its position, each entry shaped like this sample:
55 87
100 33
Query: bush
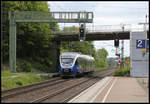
122 72
33 66
24 67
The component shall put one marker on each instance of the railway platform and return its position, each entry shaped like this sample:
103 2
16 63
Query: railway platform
114 89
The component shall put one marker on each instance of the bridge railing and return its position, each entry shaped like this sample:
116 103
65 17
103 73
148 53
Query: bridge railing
103 28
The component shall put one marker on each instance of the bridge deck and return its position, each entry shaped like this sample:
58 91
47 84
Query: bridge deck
94 36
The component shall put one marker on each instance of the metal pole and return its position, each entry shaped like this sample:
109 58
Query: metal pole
122 54
122 50
12 43
84 31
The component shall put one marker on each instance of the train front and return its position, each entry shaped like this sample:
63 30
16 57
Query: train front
67 64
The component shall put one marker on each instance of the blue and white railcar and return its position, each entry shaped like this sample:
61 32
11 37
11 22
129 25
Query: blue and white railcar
73 63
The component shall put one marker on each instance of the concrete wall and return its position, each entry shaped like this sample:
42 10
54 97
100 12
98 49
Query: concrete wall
139 62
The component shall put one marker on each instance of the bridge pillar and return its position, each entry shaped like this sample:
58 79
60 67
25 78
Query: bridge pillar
55 56
139 58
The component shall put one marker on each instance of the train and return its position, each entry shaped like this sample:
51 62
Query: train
75 64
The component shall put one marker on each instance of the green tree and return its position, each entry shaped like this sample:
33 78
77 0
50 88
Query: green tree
85 47
73 29
101 58
33 39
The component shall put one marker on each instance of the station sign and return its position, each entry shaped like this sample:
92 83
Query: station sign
140 44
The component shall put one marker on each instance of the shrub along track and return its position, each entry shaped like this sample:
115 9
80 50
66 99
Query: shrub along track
59 92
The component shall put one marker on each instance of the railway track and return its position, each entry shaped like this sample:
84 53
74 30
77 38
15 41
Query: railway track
70 92
55 93
19 90
56 90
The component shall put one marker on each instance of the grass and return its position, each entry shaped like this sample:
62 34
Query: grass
125 71
26 74
99 68
13 80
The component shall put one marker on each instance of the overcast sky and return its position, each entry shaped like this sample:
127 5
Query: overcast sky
107 13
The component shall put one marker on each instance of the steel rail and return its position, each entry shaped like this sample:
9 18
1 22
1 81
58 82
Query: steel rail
41 99
16 91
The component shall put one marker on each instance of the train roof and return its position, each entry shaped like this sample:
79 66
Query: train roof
77 54
88 57
73 53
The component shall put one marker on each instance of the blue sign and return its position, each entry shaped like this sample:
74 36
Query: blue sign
140 44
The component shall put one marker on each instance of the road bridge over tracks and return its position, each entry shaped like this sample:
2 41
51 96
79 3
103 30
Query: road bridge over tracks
93 36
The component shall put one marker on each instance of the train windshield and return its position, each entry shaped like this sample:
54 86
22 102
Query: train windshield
67 61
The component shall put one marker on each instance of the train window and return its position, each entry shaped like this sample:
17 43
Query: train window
67 60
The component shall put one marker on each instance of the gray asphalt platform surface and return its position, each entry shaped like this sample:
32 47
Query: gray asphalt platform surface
116 89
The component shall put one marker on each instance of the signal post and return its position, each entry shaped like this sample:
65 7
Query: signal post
116 44
118 64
